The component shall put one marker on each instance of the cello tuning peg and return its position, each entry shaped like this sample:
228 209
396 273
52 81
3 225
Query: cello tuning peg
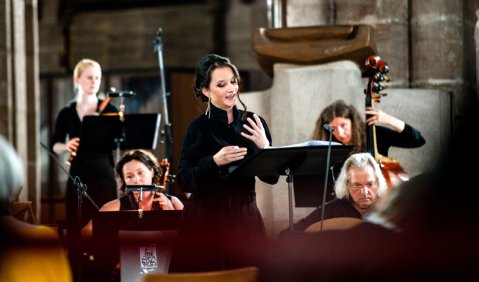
384 69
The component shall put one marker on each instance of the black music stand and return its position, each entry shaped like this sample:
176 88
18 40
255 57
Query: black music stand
289 161
106 243
141 131
98 133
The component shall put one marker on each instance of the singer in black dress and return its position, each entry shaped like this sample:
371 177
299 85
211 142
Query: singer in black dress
222 226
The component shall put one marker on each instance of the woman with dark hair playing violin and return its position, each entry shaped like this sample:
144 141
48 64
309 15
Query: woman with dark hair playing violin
139 167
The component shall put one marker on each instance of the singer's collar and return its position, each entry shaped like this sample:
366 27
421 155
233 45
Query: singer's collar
221 116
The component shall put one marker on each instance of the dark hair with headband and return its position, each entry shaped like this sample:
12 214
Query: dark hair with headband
205 68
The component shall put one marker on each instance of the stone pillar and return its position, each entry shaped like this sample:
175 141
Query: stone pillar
437 29
33 104
389 18
6 71
309 12
19 89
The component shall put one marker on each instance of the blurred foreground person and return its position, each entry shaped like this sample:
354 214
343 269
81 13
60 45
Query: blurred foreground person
28 252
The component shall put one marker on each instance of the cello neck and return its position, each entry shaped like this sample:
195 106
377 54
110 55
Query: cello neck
371 135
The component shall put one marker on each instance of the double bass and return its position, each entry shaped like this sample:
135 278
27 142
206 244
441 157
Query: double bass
377 71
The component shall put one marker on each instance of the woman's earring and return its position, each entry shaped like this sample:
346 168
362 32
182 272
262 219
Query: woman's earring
208 109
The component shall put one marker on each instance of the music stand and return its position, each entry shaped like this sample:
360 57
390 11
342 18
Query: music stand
141 131
290 161
98 133
108 226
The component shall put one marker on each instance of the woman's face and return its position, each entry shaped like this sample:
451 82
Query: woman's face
223 88
137 173
342 129
89 80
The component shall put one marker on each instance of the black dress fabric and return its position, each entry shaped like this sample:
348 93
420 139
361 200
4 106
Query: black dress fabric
95 168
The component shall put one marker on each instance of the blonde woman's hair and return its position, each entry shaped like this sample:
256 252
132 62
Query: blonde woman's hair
81 65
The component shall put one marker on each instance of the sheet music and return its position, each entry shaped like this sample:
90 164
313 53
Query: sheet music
307 144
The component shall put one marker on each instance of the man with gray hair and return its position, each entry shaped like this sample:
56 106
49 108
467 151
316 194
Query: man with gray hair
359 186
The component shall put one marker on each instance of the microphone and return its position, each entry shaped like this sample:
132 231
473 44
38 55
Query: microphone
328 128
120 93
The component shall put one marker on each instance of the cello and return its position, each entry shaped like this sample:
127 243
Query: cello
377 71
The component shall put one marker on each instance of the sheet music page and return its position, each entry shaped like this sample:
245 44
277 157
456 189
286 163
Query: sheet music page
307 144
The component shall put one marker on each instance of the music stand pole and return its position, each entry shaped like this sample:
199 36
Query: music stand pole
289 179
81 191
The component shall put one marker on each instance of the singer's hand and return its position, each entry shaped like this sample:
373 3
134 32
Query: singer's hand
258 134
229 154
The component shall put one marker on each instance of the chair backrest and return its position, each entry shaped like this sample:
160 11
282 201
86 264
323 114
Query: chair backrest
245 274
23 211
339 223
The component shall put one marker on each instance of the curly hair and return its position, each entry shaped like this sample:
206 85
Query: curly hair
143 156
340 108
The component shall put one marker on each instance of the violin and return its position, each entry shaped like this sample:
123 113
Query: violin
377 71
165 177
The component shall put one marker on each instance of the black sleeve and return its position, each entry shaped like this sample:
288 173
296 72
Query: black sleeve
268 179
60 131
197 170
408 138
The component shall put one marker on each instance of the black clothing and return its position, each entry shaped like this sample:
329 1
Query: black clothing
222 225
333 209
408 138
95 169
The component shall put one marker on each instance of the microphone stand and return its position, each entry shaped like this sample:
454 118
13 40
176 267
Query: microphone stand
81 191
330 130
81 188
167 131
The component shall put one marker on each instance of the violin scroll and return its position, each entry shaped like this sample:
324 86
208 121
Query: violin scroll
165 176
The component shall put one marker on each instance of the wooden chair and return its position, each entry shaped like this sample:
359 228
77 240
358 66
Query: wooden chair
245 274
339 223
23 211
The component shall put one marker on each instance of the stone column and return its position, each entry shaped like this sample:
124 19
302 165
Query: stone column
19 89
309 12
437 29
33 104
389 18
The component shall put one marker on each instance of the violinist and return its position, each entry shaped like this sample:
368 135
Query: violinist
139 167
350 128
94 168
